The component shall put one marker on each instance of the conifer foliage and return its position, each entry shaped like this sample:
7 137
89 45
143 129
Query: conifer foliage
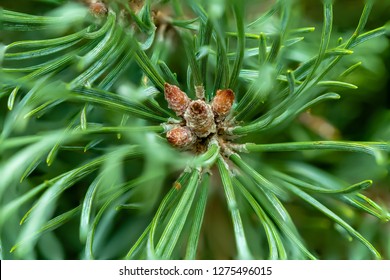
184 130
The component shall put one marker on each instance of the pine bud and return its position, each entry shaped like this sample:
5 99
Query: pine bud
200 118
222 103
181 137
98 8
177 100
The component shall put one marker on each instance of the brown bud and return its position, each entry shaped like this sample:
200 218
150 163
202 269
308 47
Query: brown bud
200 118
222 103
98 8
136 5
177 100
181 137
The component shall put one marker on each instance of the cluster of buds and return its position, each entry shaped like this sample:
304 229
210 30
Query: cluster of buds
200 119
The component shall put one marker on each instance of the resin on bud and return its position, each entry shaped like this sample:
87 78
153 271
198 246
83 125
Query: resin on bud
181 137
177 100
177 185
222 103
200 118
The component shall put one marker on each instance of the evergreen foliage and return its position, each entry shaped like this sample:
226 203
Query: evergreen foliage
86 171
